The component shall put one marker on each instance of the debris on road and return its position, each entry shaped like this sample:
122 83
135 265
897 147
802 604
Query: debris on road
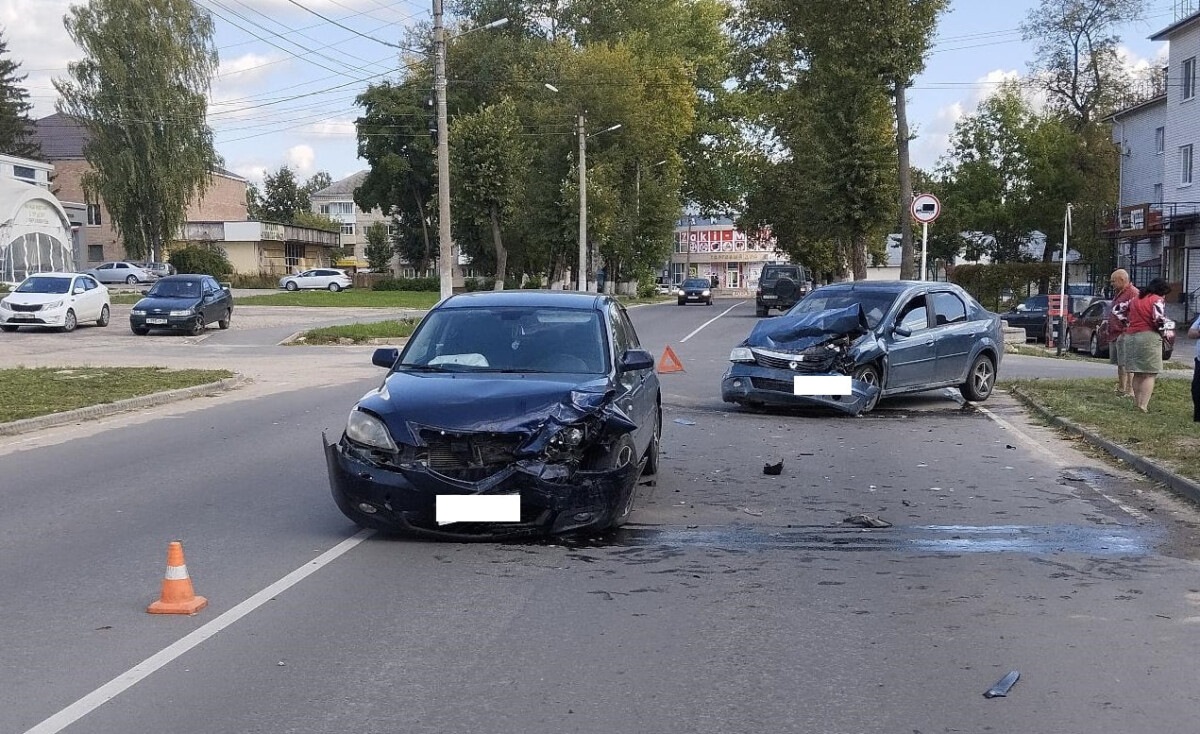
773 470
685 422
867 521
755 513
1004 685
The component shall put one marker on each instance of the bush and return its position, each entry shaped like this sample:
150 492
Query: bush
201 259
479 284
257 280
407 284
988 283
533 284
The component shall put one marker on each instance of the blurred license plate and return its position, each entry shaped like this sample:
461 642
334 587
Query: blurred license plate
451 508
768 298
156 321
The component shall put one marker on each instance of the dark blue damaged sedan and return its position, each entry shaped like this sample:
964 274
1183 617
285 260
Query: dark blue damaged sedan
870 340
506 414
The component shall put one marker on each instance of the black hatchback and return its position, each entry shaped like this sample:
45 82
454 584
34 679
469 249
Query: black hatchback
182 303
695 290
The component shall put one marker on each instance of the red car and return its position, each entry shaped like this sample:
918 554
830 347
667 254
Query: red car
1089 332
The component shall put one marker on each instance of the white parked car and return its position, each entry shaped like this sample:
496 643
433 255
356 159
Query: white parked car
319 278
121 272
59 300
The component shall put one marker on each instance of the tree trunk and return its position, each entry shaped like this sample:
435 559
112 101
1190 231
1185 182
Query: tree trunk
907 264
501 253
858 257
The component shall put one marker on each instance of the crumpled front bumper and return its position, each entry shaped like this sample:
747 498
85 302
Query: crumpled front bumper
404 500
752 384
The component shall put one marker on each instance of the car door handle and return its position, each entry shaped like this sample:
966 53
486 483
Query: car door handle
929 343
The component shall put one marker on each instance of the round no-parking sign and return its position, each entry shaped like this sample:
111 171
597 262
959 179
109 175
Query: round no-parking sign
926 208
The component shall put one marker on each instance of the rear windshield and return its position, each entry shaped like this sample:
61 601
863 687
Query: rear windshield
790 272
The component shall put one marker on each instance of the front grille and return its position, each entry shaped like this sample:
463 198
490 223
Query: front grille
470 456
25 307
766 383
818 359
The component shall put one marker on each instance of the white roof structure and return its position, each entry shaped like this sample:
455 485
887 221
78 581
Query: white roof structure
35 232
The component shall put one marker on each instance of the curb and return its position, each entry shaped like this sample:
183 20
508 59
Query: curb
26 425
1180 485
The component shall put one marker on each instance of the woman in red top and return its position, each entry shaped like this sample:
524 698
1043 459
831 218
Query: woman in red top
1142 350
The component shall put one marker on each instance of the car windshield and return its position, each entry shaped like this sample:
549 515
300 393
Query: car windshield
45 285
874 303
175 289
696 283
508 339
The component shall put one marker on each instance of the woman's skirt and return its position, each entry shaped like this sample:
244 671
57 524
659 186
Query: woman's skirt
1142 352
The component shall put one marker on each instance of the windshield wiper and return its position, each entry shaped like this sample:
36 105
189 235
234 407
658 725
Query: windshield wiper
423 367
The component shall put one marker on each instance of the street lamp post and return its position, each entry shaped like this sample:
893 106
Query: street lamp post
583 136
445 247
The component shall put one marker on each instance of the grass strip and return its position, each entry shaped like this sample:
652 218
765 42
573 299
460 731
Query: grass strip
358 333
345 299
28 392
1166 435
1030 350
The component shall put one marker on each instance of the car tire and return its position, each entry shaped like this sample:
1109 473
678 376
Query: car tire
981 378
621 454
140 330
710 301
197 326
786 289
1167 354
69 321
104 316
760 312
224 323
9 328
681 302
334 287
131 280
291 286
869 374
1068 346
651 467
1094 346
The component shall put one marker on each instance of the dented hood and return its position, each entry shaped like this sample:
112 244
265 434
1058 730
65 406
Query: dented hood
797 331
488 402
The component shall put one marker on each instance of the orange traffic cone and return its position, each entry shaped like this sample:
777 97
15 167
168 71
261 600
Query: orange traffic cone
177 597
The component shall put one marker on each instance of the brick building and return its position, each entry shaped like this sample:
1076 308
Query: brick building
62 140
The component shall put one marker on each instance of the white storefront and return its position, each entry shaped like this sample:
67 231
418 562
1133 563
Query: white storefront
35 232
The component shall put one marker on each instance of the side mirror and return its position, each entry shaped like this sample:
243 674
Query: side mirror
385 357
79 290
146 292
1021 307
635 359
902 331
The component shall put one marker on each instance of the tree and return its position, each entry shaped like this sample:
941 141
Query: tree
379 249
253 203
149 147
1077 59
15 125
315 183
281 197
489 160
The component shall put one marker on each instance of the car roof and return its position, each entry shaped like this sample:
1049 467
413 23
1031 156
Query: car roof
561 299
889 286
53 274
182 276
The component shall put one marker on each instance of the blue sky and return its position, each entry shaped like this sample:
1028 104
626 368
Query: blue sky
272 51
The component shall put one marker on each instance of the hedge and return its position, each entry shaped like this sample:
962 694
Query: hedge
407 284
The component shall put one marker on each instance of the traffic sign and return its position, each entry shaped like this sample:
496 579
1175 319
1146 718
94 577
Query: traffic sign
926 208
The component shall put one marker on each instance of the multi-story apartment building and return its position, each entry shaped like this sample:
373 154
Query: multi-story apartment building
337 202
1157 229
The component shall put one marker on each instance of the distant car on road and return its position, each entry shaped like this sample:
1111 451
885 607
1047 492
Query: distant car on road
888 337
317 279
120 272
182 303
780 286
1031 313
158 270
697 290
1089 332
59 300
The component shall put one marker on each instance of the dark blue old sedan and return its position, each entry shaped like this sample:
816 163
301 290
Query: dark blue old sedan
506 414
866 340
182 303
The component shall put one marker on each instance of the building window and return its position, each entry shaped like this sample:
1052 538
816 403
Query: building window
95 253
348 228
1185 165
93 215
1158 193
25 173
343 208
1189 78
1160 139
292 255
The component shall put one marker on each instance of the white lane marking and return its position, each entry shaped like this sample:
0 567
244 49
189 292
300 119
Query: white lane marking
706 323
1030 441
144 669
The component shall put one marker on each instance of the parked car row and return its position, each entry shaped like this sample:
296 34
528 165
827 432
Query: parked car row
1089 332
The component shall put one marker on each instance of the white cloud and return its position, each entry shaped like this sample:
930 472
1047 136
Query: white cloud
302 158
253 172
249 67
933 139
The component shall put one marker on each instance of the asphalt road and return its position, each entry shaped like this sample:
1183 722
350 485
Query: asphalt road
736 601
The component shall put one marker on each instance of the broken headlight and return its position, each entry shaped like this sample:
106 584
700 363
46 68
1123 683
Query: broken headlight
567 444
741 354
366 429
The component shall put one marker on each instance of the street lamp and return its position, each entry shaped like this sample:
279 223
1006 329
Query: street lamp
583 136
445 250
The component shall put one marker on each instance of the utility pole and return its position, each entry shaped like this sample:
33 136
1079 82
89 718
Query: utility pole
582 203
445 248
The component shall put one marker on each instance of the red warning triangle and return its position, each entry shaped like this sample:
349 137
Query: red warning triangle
669 362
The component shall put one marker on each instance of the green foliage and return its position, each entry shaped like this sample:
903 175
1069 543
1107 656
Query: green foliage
254 280
150 149
470 285
379 250
407 284
253 203
533 284
15 125
989 283
316 220
203 259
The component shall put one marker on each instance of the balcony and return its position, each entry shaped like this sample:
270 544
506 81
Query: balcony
1142 220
